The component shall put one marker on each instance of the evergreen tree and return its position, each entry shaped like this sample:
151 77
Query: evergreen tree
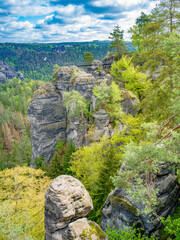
67 161
117 42
60 162
56 165
88 57
168 11
104 183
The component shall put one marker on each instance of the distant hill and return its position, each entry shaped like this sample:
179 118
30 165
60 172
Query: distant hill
36 60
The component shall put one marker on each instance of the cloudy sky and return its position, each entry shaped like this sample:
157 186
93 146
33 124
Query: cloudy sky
67 20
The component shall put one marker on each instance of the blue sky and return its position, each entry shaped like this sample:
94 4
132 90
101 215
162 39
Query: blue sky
67 20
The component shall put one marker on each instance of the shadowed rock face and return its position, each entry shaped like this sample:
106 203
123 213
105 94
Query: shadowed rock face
66 206
8 72
47 115
120 211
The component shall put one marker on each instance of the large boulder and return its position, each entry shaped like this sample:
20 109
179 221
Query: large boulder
120 211
66 206
47 115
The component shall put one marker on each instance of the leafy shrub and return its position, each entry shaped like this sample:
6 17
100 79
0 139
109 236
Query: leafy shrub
22 192
124 71
127 234
171 229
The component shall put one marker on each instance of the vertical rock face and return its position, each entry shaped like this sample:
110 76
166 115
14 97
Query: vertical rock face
8 72
120 211
47 115
66 206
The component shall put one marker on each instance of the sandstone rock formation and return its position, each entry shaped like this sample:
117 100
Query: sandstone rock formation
50 120
120 211
74 78
97 70
8 72
47 116
66 206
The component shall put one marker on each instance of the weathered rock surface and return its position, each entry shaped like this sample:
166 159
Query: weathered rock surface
47 115
129 101
120 211
96 69
8 72
66 206
107 61
50 120
73 78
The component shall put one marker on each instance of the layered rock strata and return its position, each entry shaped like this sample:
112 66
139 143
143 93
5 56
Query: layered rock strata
66 206
47 115
120 211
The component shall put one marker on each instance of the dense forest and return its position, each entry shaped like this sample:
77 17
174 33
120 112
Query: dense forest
151 137
36 60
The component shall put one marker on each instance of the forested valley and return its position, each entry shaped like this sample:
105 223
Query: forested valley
36 60
148 70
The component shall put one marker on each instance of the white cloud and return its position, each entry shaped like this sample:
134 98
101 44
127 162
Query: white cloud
116 3
76 25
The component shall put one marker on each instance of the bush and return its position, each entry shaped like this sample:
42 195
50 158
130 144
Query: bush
127 234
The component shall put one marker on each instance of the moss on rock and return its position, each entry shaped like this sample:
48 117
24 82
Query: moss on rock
125 202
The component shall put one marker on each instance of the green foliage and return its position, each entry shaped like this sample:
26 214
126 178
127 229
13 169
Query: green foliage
102 92
22 192
61 161
75 104
125 72
127 234
155 42
18 228
39 163
171 229
144 161
88 57
94 165
36 61
162 97
118 42
104 182
109 97
15 148
16 94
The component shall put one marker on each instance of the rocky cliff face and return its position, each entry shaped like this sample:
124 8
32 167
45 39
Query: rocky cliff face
66 207
120 211
50 121
8 72
47 116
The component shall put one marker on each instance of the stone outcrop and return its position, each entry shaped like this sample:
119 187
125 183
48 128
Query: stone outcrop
66 206
107 61
120 211
47 115
50 120
8 72
74 78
